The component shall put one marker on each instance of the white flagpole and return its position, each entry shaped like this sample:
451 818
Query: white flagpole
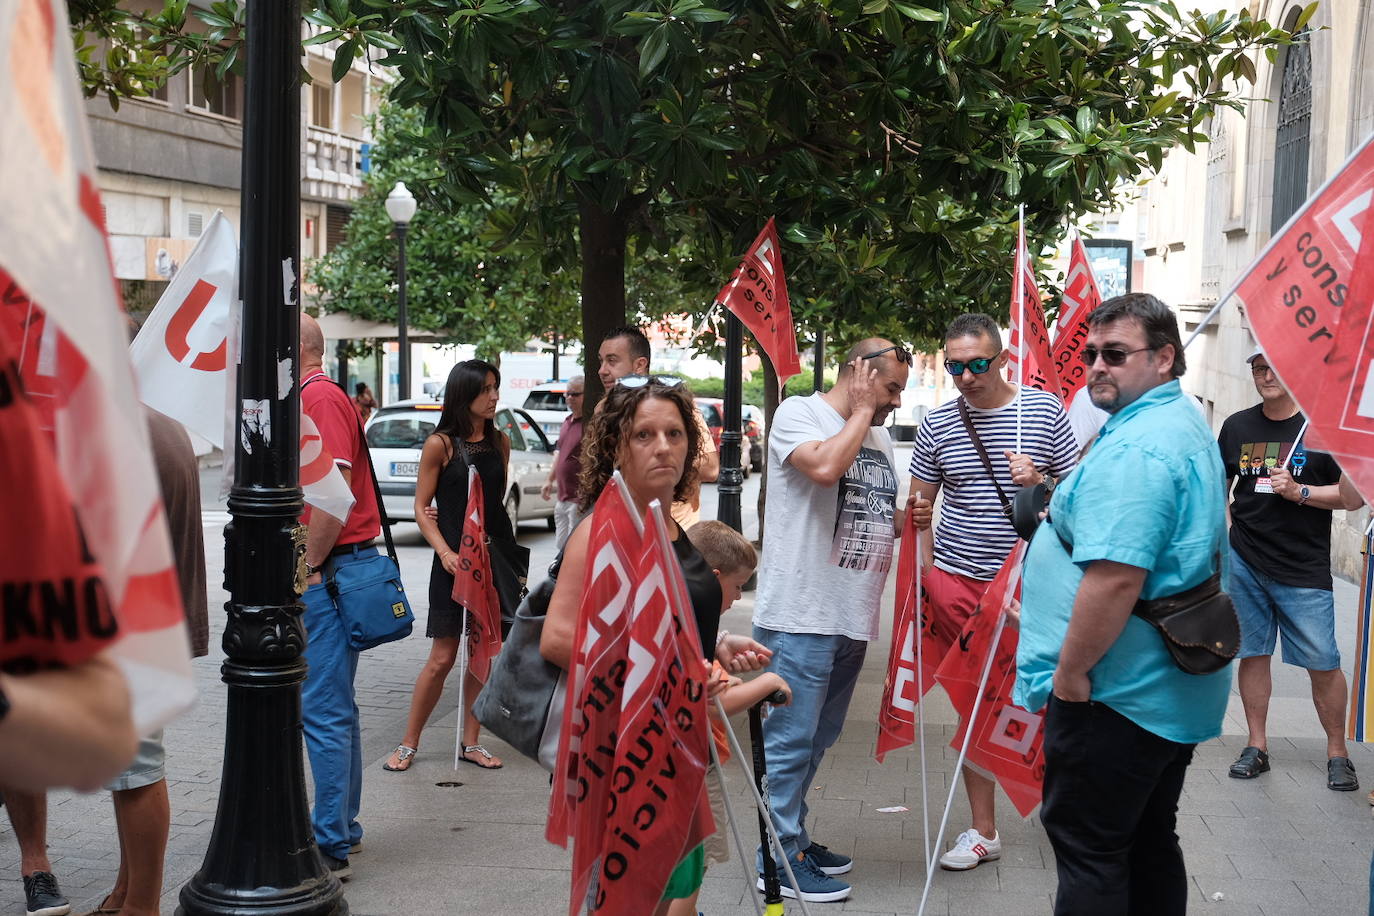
462 690
734 827
1296 442
921 703
1020 287
963 753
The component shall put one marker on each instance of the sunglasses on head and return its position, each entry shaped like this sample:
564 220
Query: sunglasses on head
977 366
902 353
639 381
1112 356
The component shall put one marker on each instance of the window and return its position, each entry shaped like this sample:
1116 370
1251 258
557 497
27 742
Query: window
402 432
545 400
322 104
195 224
1294 131
505 421
221 97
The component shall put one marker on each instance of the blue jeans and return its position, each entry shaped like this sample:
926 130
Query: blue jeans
333 738
1304 618
822 672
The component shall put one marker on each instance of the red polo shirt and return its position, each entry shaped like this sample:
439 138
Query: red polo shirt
333 412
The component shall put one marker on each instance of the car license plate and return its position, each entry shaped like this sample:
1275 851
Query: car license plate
405 469
552 428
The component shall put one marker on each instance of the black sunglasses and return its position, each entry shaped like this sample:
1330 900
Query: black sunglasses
977 366
1112 356
902 354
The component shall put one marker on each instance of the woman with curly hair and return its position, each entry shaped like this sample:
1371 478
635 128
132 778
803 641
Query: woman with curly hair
466 434
646 428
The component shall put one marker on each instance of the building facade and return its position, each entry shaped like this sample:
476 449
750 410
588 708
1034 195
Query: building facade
1313 106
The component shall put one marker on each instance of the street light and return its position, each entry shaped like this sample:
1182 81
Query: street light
400 206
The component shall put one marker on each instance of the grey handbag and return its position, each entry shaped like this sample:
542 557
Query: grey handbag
516 702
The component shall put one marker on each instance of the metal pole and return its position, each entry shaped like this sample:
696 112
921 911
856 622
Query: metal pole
818 362
341 351
731 481
557 345
402 329
262 857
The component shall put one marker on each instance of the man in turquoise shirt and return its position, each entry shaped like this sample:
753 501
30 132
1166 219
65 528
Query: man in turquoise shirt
1142 516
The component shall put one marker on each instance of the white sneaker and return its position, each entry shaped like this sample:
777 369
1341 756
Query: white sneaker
971 850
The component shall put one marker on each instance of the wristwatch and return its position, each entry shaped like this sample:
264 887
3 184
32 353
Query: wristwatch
1304 494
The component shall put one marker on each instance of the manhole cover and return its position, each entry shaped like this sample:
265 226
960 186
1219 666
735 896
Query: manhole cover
450 784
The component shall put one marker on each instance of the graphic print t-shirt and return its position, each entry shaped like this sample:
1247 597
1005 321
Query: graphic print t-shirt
1273 535
826 550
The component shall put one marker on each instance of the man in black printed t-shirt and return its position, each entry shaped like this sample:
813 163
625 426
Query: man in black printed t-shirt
1281 566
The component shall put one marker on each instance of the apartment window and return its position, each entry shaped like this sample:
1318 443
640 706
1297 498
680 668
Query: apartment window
1294 131
322 104
222 97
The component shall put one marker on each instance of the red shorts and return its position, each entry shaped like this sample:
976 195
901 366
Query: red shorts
952 598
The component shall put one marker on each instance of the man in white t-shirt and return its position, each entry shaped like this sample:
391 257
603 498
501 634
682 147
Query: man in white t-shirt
1027 439
831 518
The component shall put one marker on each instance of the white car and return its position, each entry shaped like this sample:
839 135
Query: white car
397 432
548 405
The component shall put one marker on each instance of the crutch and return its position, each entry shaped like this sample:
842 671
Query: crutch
730 816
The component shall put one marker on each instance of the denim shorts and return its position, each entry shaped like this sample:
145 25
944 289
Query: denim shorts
1305 618
149 766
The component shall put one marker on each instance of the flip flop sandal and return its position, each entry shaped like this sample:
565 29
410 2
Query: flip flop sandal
470 748
403 757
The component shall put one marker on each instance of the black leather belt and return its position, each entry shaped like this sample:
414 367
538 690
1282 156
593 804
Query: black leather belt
349 548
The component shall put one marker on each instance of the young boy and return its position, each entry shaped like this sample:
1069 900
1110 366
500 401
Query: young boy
732 559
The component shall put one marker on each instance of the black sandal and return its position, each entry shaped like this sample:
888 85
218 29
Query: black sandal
1251 762
1340 775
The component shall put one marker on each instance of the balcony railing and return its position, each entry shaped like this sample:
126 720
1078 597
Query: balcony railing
333 165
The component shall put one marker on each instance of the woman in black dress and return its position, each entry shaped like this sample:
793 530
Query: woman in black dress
465 436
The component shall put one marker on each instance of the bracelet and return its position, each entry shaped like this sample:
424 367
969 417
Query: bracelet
720 637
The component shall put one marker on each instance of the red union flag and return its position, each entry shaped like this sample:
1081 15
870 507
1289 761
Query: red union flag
1081 296
1038 371
657 810
1007 740
591 716
473 588
897 714
59 293
1295 292
757 294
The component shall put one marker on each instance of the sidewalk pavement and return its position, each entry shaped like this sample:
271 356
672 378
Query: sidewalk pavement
473 842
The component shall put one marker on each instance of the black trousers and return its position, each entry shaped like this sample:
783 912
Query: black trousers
1111 796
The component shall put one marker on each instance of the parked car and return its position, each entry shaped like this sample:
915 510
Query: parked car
397 432
713 412
548 405
754 425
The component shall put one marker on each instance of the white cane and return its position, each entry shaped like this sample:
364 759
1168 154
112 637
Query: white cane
920 702
963 753
462 690
734 828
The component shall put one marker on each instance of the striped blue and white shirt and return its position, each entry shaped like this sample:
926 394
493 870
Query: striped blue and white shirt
973 537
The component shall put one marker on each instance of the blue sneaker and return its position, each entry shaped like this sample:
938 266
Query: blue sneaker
832 863
815 886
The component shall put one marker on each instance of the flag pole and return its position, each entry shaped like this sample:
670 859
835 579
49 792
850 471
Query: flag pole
462 690
734 827
1307 421
921 703
963 754
1019 285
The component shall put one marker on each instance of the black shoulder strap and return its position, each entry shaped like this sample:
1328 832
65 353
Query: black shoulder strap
372 471
983 454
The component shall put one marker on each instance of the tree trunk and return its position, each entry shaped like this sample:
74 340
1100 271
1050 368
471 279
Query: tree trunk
603 285
770 406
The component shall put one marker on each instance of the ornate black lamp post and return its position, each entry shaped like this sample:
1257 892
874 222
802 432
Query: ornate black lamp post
262 857
400 206
731 481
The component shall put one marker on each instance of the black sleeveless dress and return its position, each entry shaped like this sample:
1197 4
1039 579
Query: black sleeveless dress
451 497
703 588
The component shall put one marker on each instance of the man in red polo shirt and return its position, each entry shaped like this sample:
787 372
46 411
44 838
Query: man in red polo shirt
328 708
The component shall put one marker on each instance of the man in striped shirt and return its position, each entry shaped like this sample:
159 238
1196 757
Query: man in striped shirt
1026 439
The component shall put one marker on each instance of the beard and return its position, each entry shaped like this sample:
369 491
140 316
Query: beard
1107 397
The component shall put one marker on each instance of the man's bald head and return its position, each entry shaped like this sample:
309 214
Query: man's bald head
886 363
312 342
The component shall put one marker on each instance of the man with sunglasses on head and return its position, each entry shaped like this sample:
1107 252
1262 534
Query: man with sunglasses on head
1021 437
1142 517
827 548
625 352
1280 546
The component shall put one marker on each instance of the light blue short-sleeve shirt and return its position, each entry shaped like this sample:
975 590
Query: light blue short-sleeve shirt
1149 494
